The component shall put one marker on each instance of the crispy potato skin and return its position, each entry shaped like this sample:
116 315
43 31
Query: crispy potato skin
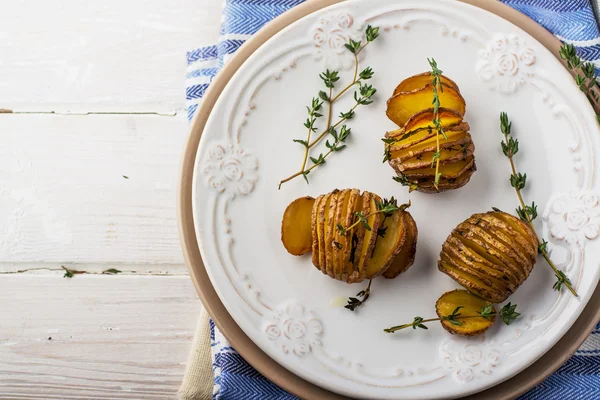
416 140
490 254
448 302
360 253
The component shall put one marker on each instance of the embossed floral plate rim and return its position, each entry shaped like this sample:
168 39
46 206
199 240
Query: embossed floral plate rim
224 321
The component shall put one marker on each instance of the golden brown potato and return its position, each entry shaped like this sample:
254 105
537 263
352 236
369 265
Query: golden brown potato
296 232
329 221
411 148
420 80
403 105
345 248
471 305
404 260
490 254
314 225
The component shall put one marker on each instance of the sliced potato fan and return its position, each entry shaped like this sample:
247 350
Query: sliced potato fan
490 254
343 247
413 146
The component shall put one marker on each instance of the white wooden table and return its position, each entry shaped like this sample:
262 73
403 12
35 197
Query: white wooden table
89 162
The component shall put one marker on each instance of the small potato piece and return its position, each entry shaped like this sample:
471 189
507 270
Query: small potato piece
296 233
471 304
406 257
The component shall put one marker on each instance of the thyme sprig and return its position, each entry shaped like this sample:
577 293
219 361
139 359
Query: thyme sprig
385 207
508 314
437 122
363 96
510 147
585 75
404 181
355 302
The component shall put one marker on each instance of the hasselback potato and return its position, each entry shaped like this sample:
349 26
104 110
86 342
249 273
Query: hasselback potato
490 254
385 244
411 148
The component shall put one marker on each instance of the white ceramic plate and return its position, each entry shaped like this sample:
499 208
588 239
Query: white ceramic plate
283 303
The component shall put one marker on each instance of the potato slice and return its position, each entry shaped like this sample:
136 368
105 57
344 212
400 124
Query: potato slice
388 246
405 150
457 251
341 212
519 226
370 237
456 151
448 170
296 233
422 122
323 206
420 80
357 234
406 257
404 105
471 304
446 184
472 283
314 225
346 240
329 223
482 275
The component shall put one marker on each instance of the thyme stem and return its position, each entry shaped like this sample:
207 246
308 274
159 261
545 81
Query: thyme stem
326 131
363 96
542 249
400 327
354 80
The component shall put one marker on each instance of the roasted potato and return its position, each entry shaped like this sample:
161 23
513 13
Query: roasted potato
385 245
471 305
490 254
296 232
411 148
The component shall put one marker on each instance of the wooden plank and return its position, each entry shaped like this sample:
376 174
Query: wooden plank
111 55
90 189
95 337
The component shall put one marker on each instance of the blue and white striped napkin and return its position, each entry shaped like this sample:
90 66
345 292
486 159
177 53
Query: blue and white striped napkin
572 21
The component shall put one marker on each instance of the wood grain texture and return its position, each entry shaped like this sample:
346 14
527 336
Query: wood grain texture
65 198
94 337
111 55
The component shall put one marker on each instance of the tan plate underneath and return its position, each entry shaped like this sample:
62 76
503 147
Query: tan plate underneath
515 386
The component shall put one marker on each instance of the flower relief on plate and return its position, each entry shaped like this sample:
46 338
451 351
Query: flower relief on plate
329 36
506 63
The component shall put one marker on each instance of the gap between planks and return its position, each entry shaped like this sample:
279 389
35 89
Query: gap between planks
93 269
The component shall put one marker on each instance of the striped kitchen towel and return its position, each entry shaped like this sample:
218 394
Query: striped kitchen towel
572 21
